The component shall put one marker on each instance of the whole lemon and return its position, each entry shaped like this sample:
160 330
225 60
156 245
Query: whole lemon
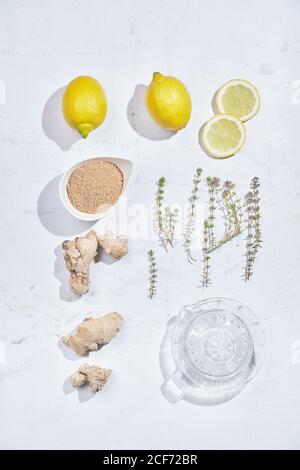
168 102
84 104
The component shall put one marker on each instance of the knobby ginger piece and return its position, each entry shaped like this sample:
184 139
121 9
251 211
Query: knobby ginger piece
78 254
94 376
92 333
113 245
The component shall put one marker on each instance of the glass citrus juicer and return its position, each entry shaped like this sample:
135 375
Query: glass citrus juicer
218 346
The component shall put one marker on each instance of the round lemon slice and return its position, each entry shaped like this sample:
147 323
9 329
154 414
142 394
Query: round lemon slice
222 136
237 97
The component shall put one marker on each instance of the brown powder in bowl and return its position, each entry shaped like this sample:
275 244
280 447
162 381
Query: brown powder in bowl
94 186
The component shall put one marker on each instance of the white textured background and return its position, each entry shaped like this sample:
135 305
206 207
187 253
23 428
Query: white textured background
43 45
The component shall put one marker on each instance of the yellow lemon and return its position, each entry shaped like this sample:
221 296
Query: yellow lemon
168 102
84 104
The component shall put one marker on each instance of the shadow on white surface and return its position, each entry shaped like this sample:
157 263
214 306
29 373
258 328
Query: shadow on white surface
62 274
66 350
102 257
166 362
54 124
140 120
83 392
53 215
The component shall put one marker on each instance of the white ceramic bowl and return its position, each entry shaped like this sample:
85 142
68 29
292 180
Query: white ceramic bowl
122 163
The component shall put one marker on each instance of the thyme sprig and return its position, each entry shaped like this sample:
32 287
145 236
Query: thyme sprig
222 197
152 273
255 185
249 239
209 236
230 205
190 225
159 199
233 208
254 236
171 219
166 219
212 185
206 254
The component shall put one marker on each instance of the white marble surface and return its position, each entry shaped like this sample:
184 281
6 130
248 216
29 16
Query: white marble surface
44 44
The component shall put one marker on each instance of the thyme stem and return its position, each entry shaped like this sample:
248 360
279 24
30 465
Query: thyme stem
190 225
152 273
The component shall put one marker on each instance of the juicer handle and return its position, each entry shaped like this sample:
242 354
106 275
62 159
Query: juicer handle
171 389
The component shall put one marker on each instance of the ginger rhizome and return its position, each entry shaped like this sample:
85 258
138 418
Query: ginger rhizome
93 376
92 333
80 252
117 247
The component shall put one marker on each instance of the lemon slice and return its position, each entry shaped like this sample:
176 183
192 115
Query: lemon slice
239 98
222 136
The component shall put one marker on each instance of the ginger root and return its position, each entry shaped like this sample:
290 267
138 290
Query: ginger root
79 254
94 376
92 333
113 246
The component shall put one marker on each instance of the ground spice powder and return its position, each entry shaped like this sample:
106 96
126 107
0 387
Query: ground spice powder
94 186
